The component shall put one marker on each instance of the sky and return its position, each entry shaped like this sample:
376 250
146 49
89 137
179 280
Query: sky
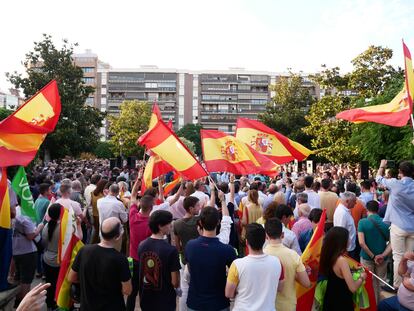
270 35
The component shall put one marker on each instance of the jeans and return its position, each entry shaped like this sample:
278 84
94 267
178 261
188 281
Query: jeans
130 306
5 256
391 304
380 270
401 242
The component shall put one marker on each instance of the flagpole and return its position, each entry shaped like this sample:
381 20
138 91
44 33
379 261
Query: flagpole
212 181
381 280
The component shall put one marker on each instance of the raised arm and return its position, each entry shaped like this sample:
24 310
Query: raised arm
231 186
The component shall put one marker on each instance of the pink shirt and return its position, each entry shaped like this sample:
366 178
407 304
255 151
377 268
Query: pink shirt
138 230
303 224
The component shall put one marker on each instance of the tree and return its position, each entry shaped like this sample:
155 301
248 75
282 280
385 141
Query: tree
192 133
103 150
4 113
132 122
286 111
331 136
189 144
371 72
377 141
78 126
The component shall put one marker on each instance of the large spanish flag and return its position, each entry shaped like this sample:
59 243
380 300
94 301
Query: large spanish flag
310 258
395 113
22 133
225 153
62 294
155 116
163 142
5 221
269 143
409 76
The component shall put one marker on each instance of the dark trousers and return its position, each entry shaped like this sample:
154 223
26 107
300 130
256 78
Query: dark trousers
5 256
130 306
391 304
51 274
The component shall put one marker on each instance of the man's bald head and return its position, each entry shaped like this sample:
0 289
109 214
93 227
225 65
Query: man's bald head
273 188
111 228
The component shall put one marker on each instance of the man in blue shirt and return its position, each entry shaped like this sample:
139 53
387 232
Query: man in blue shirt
207 259
400 212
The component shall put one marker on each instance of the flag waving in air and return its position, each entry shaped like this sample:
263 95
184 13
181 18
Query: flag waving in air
163 142
22 133
310 258
395 113
21 187
269 143
5 221
225 153
154 168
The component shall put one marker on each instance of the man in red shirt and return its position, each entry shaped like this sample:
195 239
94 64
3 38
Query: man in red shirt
138 232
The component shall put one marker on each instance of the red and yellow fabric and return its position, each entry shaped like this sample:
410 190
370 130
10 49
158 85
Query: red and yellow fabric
269 143
310 258
367 291
409 76
154 168
163 142
22 133
5 221
171 185
226 153
395 113
62 294
155 116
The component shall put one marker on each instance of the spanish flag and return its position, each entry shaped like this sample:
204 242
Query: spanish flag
163 142
409 76
155 116
22 133
311 257
62 294
226 153
269 143
395 113
5 221
171 185
154 168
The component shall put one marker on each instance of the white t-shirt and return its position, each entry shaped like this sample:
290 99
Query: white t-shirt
257 278
343 218
204 198
314 200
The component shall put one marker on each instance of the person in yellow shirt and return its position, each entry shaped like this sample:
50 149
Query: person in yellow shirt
293 268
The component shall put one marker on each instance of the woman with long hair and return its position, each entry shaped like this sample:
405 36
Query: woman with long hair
334 266
50 240
269 212
95 196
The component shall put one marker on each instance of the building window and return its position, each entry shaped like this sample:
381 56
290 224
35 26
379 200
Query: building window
88 80
151 85
88 69
89 101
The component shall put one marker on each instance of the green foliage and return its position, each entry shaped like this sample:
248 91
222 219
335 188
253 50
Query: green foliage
192 133
377 141
190 145
132 122
287 109
78 126
4 113
371 72
331 136
103 150
376 83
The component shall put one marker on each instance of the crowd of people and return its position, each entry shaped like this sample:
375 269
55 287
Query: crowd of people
218 243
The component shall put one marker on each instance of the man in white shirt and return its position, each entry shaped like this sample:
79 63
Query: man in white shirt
248 276
199 193
284 214
313 197
343 218
110 206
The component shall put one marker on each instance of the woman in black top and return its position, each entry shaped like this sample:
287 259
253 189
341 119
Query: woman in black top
334 266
